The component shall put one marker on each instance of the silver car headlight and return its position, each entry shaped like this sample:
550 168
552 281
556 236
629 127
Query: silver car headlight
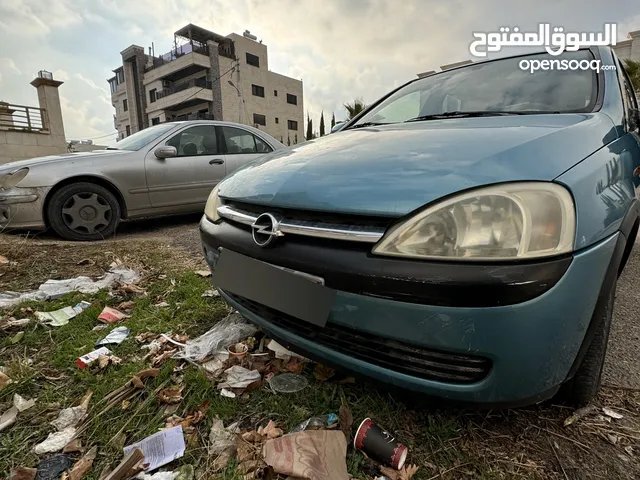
502 222
10 180
213 202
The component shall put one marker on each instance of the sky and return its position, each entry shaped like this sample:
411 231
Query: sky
340 49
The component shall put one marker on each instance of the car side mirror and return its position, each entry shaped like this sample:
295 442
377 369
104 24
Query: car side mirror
338 126
165 152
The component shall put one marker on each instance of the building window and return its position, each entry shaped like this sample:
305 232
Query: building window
259 119
124 105
113 85
275 93
253 60
292 99
128 129
120 76
292 125
155 120
152 95
257 90
277 120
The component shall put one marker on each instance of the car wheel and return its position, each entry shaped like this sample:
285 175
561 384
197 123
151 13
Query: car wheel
83 211
584 385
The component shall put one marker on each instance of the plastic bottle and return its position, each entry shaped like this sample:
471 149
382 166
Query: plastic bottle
317 423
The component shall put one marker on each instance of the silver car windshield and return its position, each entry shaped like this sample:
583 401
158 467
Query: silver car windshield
143 137
497 87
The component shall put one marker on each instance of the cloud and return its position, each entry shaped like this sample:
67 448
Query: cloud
342 50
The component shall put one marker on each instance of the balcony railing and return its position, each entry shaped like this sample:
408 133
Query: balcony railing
20 117
192 116
177 53
196 82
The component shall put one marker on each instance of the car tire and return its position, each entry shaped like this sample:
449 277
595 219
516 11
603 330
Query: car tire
585 384
83 211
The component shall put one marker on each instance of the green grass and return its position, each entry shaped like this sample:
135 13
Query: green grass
471 445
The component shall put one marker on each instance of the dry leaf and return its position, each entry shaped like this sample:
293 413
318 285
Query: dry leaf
163 357
84 402
126 306
3 260
323 373
74 445
146 336
345 421
246 451
270 431
612 413
22 473
84 465
126 404
105 360
253 437
223 459
4 380
405 473
171 394
294 365
196 416
132 288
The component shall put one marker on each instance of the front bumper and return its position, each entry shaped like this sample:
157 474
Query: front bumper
22 208
531 344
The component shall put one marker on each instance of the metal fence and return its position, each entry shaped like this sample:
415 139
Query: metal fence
21 117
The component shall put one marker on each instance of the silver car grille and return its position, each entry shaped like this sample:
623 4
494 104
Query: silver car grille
318 229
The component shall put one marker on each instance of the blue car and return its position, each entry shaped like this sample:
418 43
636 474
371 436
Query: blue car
462 237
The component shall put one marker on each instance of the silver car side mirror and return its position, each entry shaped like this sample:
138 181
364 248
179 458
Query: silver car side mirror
165 152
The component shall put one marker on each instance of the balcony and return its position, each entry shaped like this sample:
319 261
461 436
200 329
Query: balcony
175 67
196 82
182 95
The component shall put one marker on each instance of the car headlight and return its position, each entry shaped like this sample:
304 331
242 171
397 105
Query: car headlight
502 222
213 202
12 179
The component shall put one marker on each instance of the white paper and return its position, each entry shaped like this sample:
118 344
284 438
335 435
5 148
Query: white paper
55 441
160 448
239 377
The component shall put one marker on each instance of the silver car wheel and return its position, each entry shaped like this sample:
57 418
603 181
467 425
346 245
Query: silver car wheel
86 213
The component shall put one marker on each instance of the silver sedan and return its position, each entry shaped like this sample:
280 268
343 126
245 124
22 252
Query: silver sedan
165 169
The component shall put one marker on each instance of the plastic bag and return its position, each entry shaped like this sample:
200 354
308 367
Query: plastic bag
227 331
52 289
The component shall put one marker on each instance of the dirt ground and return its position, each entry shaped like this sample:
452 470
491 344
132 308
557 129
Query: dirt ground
444 442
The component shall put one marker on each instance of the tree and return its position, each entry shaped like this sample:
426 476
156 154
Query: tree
354 109
309 128
333 120
288 140
322 124
633 70
296 139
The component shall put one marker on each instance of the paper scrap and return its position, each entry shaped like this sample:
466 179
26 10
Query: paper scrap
85 360
227 393
8 418
160 448
69 417
239 377
55 441
57 318
111 315
117 336
282 352
22 404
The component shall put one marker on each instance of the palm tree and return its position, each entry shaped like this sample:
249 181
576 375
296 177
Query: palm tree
633 70
354 108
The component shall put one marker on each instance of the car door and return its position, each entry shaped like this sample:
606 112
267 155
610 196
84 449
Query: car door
242 147
189 177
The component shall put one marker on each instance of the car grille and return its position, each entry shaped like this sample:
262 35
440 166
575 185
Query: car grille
391 354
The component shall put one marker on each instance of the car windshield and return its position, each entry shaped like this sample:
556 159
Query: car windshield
143 137
498 87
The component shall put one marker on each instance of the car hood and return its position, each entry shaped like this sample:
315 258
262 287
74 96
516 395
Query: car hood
393 169
63 157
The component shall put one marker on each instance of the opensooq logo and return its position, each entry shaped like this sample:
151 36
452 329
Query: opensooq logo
555 40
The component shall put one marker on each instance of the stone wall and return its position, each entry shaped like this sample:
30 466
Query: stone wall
15 145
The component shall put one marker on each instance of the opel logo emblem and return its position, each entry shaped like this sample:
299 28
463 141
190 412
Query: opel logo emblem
265 230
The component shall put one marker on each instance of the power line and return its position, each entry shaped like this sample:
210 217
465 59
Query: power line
94 138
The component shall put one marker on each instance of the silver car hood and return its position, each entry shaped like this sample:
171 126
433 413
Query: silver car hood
63 157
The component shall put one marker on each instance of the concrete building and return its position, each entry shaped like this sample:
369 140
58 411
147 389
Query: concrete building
84 146
629 49
28 132
206 76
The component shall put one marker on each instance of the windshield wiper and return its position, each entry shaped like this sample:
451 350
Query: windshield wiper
112 148
484 113
368 124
